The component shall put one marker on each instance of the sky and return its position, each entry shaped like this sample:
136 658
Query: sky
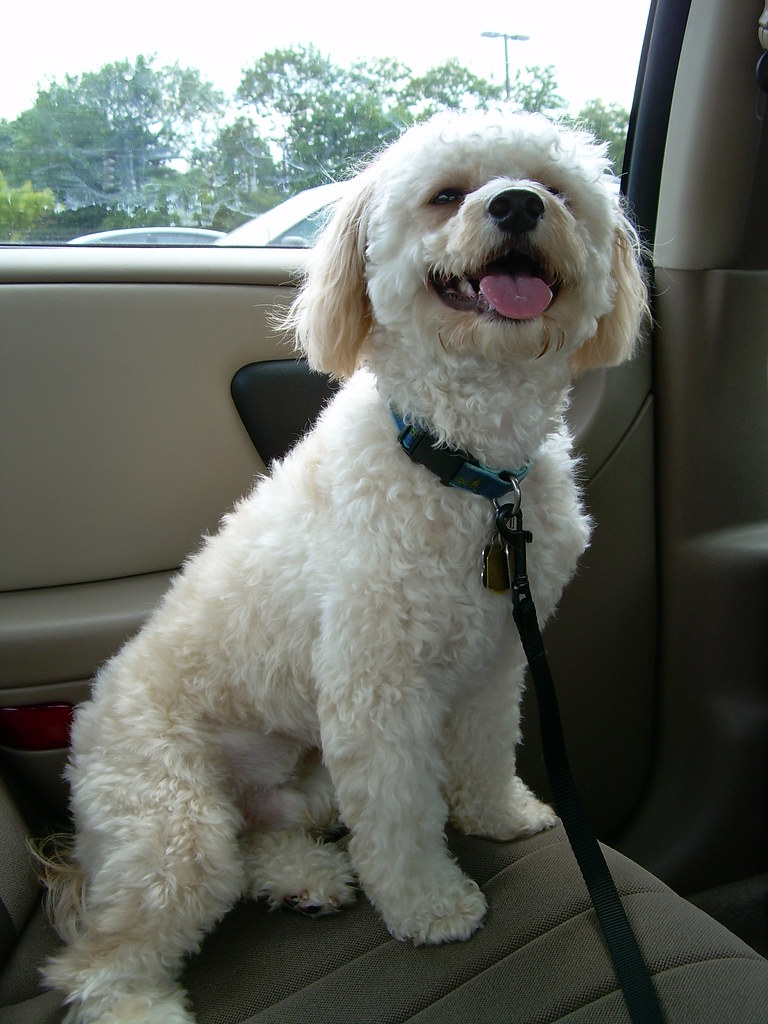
594 44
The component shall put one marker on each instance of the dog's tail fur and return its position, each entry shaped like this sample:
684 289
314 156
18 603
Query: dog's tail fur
63 881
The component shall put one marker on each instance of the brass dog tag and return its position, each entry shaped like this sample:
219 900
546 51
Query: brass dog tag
495 572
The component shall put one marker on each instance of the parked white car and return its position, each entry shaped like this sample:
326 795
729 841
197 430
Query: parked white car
293 224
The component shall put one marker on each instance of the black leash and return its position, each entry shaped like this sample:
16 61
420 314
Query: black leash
624 951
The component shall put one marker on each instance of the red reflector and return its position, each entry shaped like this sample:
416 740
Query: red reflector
36 726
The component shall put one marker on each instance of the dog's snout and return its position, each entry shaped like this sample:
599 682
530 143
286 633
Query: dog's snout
516 210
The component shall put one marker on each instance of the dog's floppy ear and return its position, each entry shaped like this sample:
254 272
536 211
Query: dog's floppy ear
331 316
618 330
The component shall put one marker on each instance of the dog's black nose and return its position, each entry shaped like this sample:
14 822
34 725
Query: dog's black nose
516 210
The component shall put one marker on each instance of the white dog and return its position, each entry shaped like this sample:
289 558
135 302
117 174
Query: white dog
332 651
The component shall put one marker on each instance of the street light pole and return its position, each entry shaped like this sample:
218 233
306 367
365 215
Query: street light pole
517 38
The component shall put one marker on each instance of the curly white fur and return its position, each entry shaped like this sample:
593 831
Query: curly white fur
340 608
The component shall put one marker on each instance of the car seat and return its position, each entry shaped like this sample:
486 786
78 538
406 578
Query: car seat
539 958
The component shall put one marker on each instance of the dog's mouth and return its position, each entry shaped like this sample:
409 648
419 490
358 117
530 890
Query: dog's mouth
514 288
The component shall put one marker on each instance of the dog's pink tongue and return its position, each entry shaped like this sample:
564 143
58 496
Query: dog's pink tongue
519 295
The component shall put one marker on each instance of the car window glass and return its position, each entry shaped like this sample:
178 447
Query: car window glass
162 130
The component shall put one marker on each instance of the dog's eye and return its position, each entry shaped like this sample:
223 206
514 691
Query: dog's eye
447 195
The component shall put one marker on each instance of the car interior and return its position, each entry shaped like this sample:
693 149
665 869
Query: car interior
142 390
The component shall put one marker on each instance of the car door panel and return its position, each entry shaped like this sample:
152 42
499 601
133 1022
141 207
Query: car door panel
118 417
711 769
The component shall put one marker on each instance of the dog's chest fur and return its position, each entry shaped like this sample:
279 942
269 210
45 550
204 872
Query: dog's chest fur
352 551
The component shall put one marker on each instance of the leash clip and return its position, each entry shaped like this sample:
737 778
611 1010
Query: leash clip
514 539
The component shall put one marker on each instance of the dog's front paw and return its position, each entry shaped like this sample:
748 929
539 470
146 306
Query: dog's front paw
450 919
527 814
450 914
517 814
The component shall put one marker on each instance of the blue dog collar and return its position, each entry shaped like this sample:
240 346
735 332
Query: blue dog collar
454 467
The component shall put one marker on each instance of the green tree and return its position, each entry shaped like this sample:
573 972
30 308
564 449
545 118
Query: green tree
317 117
450 87
21 209
535 90
233 179
321 119
609 123
121 137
